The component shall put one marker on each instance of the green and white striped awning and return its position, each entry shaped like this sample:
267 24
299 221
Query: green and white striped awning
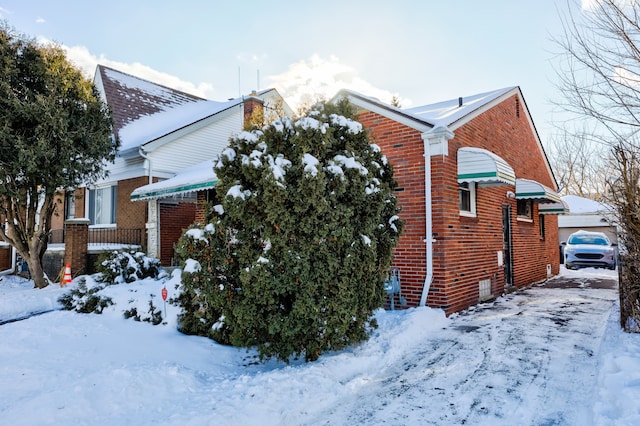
553 208
531 190
197 178
484 167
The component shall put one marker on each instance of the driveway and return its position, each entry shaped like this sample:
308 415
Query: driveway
527 358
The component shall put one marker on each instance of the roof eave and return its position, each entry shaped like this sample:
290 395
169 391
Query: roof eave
385 110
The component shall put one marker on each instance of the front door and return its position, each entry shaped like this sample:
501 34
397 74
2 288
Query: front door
507 246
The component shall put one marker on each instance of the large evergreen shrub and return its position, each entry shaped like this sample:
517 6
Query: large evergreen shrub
294 259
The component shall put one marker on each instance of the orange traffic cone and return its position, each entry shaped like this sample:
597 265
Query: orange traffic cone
67 275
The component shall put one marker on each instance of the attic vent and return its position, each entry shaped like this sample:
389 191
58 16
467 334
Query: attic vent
517 107
459 102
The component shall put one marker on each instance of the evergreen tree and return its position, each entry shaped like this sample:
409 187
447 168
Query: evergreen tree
55 134
295 257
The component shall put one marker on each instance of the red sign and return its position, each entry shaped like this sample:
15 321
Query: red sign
164 293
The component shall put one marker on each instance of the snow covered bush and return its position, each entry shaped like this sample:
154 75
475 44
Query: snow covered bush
294 258
152 315
125 267
85 300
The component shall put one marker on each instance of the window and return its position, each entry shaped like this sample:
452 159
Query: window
70 205
541 224
468 199
525 209
102 205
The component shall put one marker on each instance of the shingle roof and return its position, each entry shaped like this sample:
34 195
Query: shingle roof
131 97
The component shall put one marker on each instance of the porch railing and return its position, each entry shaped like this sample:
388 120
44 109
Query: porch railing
104 236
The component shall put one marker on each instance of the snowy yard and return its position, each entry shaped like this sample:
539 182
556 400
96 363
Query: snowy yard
542 356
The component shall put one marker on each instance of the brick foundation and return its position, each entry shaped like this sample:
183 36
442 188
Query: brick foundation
76 245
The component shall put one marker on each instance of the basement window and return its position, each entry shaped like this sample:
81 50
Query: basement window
468 199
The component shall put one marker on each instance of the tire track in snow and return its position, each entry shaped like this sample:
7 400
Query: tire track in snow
495 364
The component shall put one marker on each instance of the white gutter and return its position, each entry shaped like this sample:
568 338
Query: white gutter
435 143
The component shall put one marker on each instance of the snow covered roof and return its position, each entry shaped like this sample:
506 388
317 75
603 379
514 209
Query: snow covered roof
447 113
144 111
441 114
581 205
193 179
585 213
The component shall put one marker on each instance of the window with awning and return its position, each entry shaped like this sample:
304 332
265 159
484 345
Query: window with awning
483 167
531 190
553 208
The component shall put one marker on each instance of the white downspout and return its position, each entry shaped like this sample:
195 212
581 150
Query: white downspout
152 225
435 143
148 160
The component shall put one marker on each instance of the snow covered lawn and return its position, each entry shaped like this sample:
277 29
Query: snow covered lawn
538 356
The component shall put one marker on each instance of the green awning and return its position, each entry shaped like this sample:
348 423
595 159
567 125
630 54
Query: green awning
197 178
531 190
484 167
553 208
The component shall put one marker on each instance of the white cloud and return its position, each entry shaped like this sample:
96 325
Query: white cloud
87 62
4 12
319 78
303 82
40 20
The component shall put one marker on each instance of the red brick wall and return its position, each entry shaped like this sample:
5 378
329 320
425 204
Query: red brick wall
57 220
76 245
465 250
205 200
174 219
404 150
131 214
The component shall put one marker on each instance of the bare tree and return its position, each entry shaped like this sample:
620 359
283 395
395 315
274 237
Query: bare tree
580 166
600 83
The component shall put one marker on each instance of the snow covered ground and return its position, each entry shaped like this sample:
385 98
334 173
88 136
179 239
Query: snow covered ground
542 356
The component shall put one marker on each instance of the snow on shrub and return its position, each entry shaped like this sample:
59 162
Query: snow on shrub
85 299
301 243
127 266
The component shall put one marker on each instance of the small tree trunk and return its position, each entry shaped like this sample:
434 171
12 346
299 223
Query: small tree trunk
36 271
37 247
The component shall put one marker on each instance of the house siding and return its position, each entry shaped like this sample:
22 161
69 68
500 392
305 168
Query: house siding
196 146
465 250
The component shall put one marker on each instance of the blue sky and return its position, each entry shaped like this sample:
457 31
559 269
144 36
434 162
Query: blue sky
421 51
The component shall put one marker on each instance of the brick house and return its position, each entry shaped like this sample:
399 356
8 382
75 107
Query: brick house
487 220
162 132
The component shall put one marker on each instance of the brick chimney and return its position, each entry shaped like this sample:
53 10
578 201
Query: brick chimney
252 104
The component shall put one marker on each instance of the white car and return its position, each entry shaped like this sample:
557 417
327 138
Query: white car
585 249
